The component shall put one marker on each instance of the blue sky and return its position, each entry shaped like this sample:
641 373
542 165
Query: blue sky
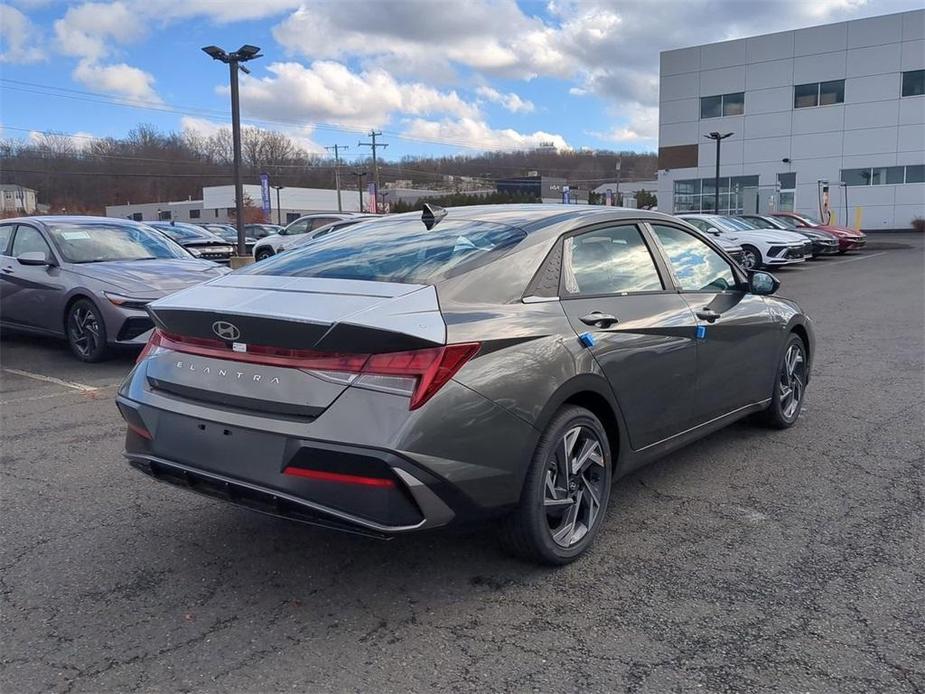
437 77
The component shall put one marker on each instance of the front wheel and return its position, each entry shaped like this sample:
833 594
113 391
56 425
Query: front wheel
566 491
789 386
263 254
86 331
751 259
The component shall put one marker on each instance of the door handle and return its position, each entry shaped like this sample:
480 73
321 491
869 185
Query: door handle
599 320
7 270
708 314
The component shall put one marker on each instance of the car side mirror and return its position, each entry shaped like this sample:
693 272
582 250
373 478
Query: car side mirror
34 258
762 283
713 230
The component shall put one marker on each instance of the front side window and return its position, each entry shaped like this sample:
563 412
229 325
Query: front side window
696 266
298 227
29 240
319 222
608 261
6 231
913 83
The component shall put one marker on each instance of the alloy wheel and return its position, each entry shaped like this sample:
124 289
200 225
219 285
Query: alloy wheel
792 381
84 330
751 260
574 486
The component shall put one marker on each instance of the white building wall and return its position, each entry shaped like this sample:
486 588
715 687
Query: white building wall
874 126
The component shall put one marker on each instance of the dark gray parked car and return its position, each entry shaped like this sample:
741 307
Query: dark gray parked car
88 279
422 371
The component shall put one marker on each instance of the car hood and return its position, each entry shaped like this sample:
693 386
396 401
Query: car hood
769 236
149 278
839 230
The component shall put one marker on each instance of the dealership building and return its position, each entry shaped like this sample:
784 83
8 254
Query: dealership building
833 112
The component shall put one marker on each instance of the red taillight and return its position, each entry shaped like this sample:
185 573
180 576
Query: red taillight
152 342
325 476
431 368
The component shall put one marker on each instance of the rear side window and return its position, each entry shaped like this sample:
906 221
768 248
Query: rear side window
396 250
614 260
696 266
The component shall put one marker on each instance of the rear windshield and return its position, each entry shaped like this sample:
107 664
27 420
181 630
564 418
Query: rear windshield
396 250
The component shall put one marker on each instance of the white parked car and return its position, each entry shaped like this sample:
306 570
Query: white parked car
273 244
760 247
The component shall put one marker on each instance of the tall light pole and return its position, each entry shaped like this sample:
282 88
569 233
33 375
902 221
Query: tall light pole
719 138
234 60
279 210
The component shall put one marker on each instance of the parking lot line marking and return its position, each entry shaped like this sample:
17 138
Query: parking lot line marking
860 257
51 379
34 398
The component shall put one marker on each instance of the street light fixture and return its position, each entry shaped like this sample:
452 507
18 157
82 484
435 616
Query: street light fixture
719 138
234 60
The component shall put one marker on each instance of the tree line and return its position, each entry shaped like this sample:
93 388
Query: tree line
83 175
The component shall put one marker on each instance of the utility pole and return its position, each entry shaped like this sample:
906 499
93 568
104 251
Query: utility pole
616 194
359 176
373 134
337 149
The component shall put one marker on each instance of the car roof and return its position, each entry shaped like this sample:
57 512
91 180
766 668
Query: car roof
70 219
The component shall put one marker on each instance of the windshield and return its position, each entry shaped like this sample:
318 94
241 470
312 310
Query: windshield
809 219
739 224
788 222
85 242
396 250
182 232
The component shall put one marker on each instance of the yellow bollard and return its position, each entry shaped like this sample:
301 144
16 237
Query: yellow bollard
857 217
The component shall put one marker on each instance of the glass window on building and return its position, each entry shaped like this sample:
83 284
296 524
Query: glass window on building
163 215
806 95
194 214
915 173
856 177
711 106
787 181
734 104
913 83
832 92
137 216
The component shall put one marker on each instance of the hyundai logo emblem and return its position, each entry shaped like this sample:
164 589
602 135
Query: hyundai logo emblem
225 330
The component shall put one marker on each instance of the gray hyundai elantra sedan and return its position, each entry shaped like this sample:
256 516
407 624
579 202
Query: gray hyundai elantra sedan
88 279
426 370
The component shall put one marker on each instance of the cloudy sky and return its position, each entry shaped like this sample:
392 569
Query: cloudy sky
436 76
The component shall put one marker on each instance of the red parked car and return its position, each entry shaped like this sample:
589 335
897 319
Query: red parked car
848 239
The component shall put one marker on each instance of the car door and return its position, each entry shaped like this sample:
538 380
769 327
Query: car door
34 291
6 261
737 336
639 329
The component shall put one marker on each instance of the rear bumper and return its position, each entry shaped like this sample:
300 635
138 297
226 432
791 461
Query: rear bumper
339 483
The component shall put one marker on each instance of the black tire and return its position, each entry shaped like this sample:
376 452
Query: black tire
86 331
783 413
527 532
751 258
263 254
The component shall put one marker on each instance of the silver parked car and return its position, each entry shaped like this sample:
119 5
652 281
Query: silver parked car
503 361
89 279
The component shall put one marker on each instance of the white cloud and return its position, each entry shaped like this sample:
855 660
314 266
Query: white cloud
330 92
472 133
511 101
89 30
120 79
21 40
640 124
78 141
222 11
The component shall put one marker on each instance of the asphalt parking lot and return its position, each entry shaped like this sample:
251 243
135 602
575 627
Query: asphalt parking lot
752 561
